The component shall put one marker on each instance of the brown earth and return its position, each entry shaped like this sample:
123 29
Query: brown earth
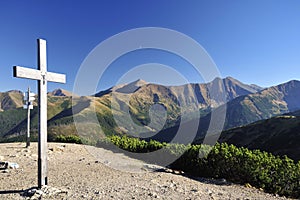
84 172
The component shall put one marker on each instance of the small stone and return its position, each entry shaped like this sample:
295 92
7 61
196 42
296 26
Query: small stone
31 192
154 195
39 192
209 191
168 170
13 165
26 151
59 149
106 162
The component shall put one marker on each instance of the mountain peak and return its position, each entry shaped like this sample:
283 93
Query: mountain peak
60 92
231 79
139 82
130 87
15 91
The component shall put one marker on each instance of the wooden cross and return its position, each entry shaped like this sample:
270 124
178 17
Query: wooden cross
42 76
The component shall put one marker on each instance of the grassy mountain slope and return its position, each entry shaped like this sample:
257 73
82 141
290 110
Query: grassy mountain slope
10 100
279 135
265 104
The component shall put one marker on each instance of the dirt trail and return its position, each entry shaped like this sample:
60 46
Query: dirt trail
74 173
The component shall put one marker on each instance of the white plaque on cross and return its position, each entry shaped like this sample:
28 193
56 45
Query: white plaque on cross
42 76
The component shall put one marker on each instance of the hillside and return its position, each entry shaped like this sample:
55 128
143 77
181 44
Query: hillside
265 104
246 109
279 135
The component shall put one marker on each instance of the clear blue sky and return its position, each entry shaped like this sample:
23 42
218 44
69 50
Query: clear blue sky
253 41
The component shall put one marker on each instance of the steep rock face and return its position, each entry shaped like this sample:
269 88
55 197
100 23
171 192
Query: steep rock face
213 94
235 88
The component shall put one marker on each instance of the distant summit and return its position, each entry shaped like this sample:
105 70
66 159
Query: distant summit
11 100
60 93
126 88
131 87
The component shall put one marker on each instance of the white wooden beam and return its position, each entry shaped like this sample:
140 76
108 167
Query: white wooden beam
22 72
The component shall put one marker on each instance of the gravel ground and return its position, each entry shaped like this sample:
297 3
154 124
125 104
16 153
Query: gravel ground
76 173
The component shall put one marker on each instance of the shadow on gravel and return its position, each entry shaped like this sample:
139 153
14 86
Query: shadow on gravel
11 191
165 160
24 193
200 179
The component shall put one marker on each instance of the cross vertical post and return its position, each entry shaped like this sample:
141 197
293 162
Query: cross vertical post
42 76
28 120
42 130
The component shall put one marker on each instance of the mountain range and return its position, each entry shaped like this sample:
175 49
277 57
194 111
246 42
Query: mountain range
147 108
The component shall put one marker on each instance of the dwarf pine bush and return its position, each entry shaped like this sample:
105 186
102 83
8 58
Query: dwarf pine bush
274 174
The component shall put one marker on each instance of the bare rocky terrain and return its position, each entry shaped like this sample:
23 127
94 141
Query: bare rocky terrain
84 172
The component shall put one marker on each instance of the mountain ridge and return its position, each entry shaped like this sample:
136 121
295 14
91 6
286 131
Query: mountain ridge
247 109
139 97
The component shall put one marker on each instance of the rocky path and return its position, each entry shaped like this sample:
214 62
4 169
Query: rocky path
83 172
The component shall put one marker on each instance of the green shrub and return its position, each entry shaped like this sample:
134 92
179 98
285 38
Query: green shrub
274 174
68 139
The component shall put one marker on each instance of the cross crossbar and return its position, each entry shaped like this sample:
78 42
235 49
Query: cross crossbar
22 72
